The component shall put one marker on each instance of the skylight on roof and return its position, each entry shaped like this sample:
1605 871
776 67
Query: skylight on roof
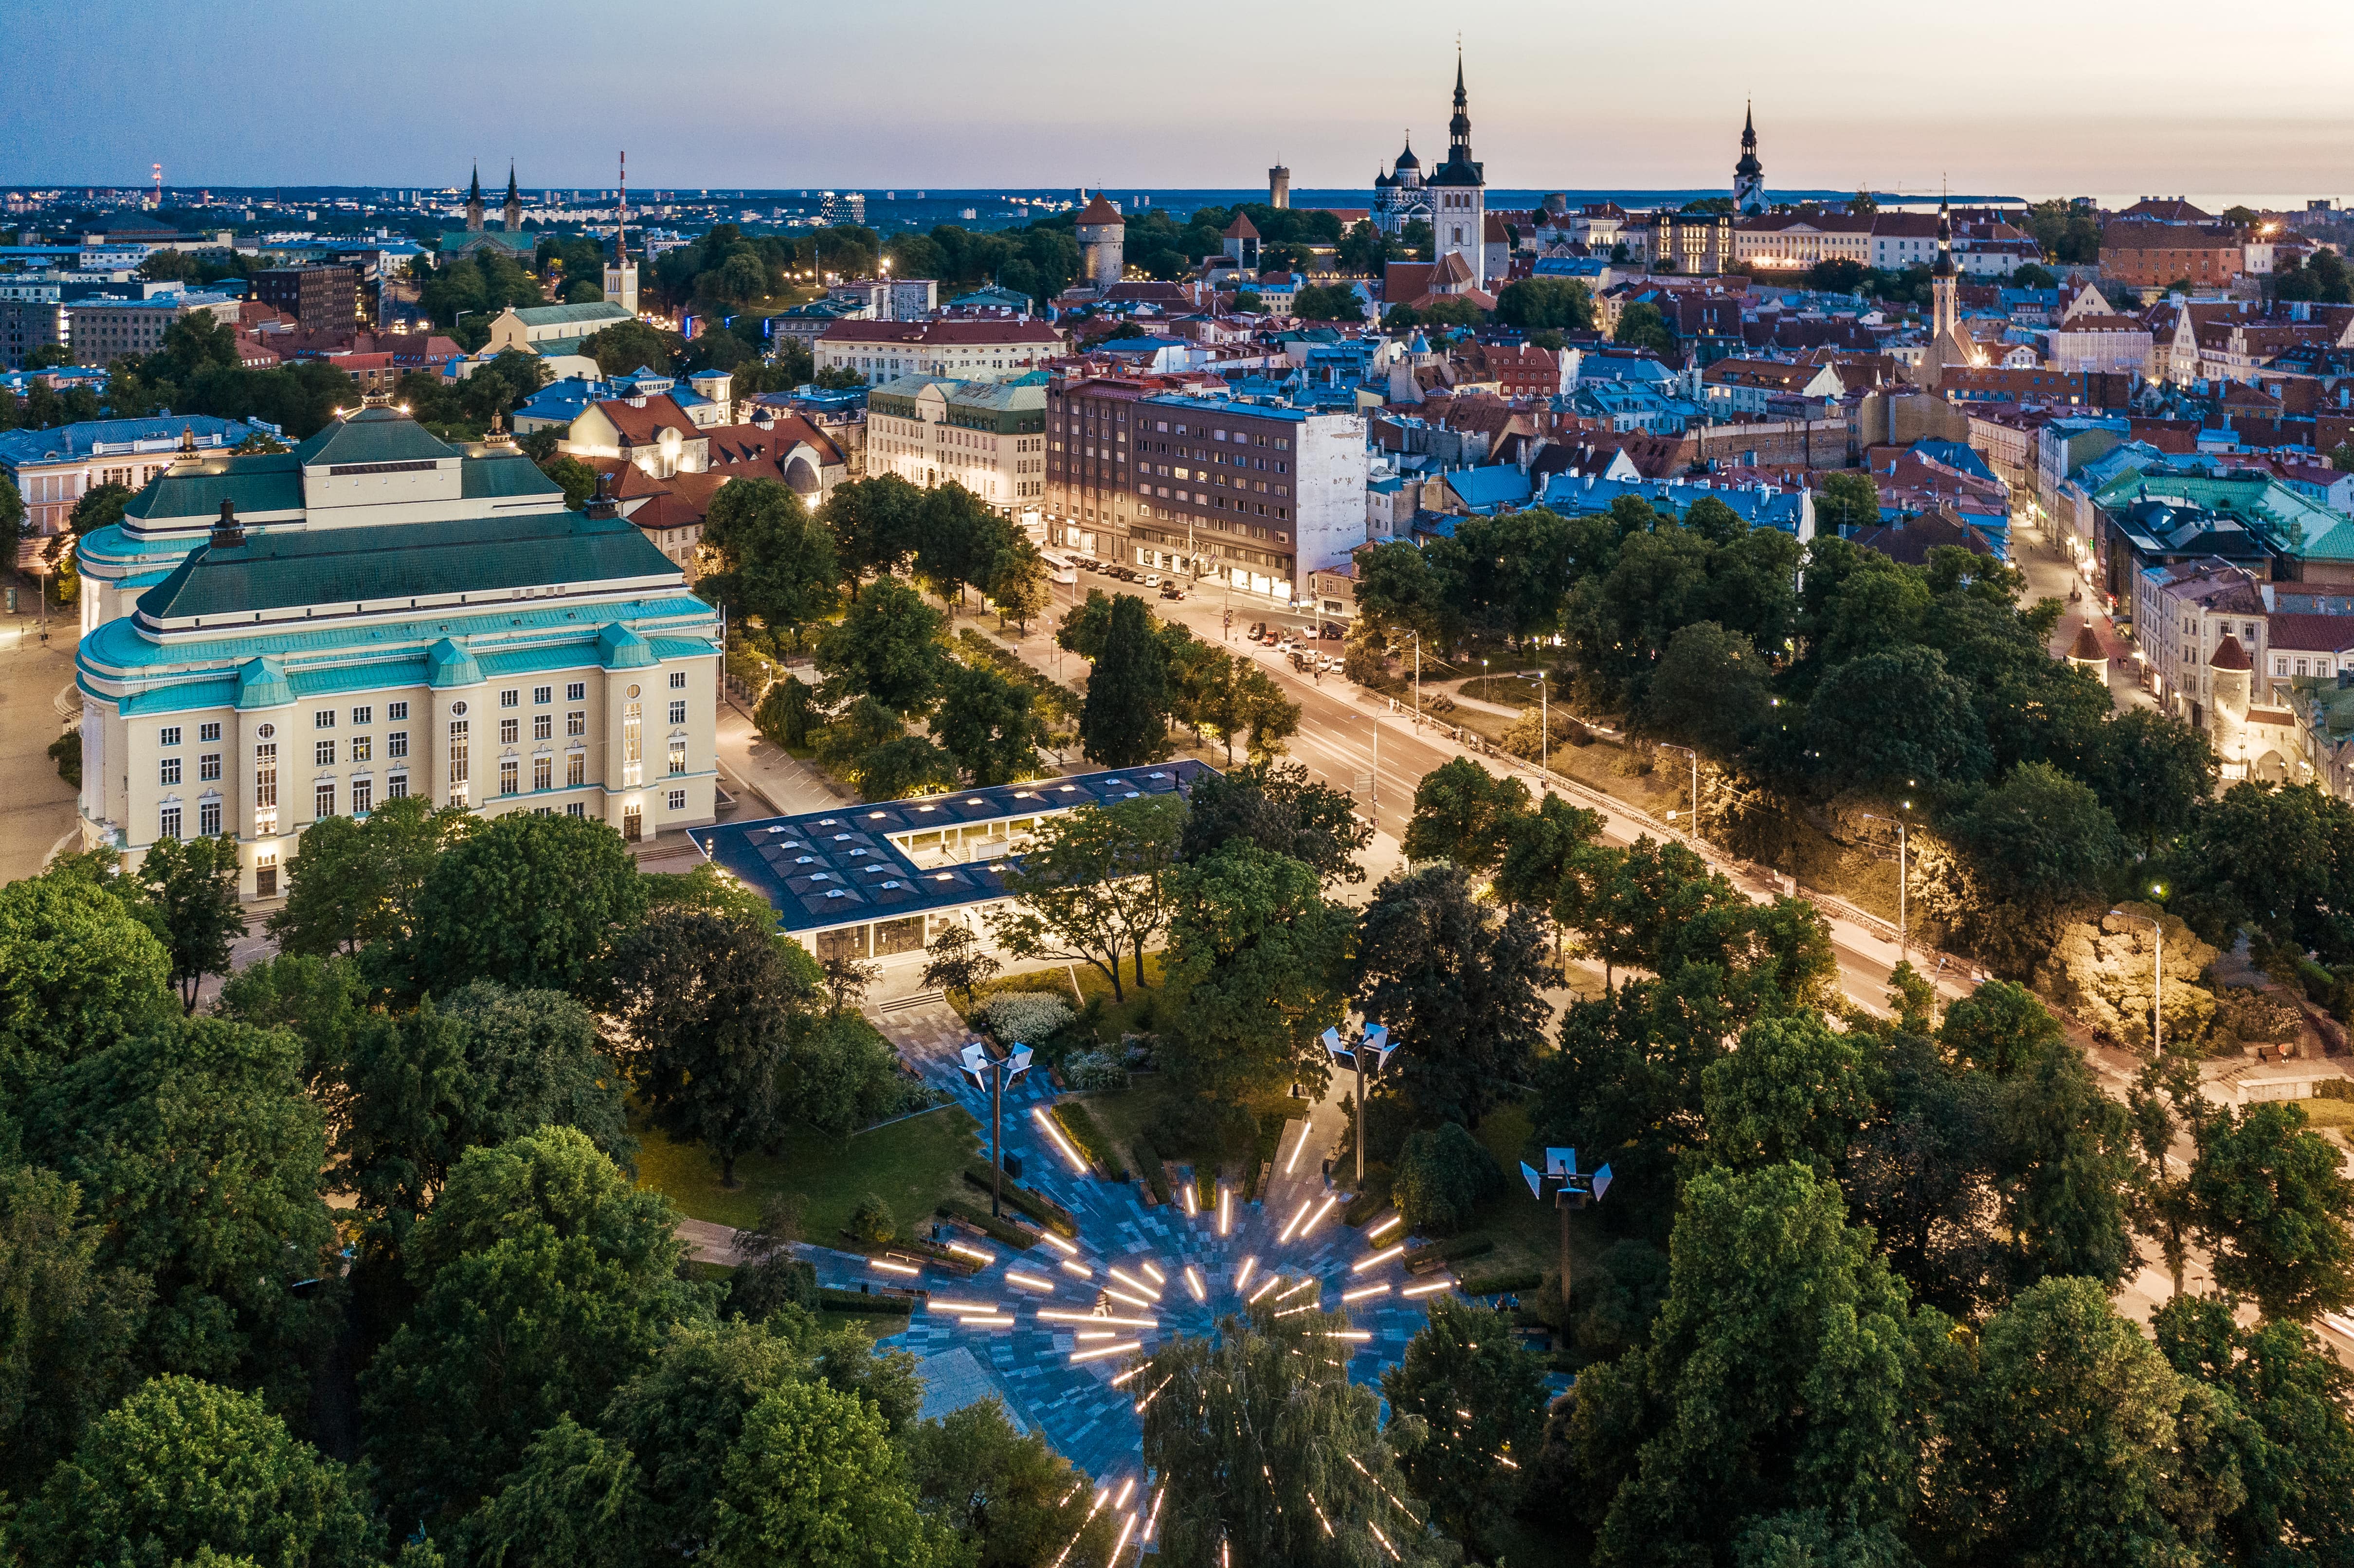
876 816
944 877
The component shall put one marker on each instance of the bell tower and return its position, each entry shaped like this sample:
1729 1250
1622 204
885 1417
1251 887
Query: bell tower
1749 175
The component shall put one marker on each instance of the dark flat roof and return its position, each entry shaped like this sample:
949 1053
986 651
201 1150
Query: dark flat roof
838 867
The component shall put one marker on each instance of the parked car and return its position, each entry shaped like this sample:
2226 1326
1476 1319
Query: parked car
1171 591
1258 631
1152 579
1331 631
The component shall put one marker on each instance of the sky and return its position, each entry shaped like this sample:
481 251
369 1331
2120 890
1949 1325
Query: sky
2015 97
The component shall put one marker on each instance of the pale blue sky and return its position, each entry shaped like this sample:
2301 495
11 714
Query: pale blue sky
2019 96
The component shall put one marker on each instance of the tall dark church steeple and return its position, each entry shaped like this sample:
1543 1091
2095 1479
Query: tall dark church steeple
1458 129
474 203
1749 175
513 214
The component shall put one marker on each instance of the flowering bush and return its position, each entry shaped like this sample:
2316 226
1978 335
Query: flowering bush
1095 1070
1023 1017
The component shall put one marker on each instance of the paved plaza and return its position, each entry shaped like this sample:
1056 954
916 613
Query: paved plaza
1059 1327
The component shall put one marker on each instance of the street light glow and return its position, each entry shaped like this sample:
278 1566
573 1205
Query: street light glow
1381 1256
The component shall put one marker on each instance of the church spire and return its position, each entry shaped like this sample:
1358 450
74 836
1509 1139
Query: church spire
474 203
1458 129
513 212
513 194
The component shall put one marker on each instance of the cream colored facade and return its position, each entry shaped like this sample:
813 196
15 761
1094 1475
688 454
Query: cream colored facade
484 648
987 437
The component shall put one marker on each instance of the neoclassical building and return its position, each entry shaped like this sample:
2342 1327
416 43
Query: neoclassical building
411 617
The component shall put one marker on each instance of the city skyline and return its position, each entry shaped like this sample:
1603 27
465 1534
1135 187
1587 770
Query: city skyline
1859 100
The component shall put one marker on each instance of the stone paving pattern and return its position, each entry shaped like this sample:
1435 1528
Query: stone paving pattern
1075 1405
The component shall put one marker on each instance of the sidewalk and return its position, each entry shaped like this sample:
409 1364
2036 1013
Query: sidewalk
756 772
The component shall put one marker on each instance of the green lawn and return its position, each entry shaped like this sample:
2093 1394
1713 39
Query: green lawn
912 1163
1141 1009
1527 1233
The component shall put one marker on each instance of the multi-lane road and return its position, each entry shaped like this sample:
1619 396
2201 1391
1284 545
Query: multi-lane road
1343 730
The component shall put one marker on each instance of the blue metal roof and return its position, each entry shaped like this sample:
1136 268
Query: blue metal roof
840 866
1228 406
61 442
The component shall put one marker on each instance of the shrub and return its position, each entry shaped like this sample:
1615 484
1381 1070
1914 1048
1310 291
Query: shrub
66 752
1441 1176
835 1300
1147 1159
871 1222
1079 1125
1037 1205
1097 1069
1023 1017
996 1227
1372 1199
1499 1283
761 1286
1521 737
787 712
1453 1250
2246 1016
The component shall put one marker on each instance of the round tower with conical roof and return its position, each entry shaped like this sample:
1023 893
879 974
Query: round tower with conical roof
1103 241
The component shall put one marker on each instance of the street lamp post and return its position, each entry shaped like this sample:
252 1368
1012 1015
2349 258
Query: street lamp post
1376 1039
1544 727
984 1071
1901 881
2157 974
1575 1192
1689 752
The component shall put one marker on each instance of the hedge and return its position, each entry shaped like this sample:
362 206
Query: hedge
1205 1190
995 1226
1079 1124
931 1251
1470 1244
1372 1200
1037 1205
1497 1284
1147 1159
860 1301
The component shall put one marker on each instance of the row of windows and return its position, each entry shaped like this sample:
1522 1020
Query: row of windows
575 723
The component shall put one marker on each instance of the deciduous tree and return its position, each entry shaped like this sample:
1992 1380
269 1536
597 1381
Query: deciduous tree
1094 885
529 901
1460 988
709 1007
1259 958
887 647
2273 1204
1460 814
187 893
1481 1398
1125 721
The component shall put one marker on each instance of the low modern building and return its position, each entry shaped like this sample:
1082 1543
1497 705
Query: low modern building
416 618
986 436
880 881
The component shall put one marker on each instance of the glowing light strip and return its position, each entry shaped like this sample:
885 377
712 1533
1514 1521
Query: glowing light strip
1157 1278
1293 1224
1081 1269
978 1320
1354 1336
1153 1519
1131 1281
1225 1208
1149 1398
1193 1209
1384 1541
1126 1524
1506 1463
1194 1283
1127 1491
1319 1513
1058 1244
1331 1201
1124 1295
1134 1371
1364 1291
1385 1228
1097 1334
1241 1275
1078 1165
1432 1288
1290 1164
1272 1281
1307 1284
887 1266
974 1253
1030 1282
1303 1307
1102 1350
1049 1315
1374 1259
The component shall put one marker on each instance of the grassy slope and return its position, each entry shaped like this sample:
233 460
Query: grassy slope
912 1163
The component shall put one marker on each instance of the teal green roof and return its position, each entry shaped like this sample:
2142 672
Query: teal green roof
374 435
601 312
288 569
2284 520
447 663
261 683
268 482
619 648
483 479
557 347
